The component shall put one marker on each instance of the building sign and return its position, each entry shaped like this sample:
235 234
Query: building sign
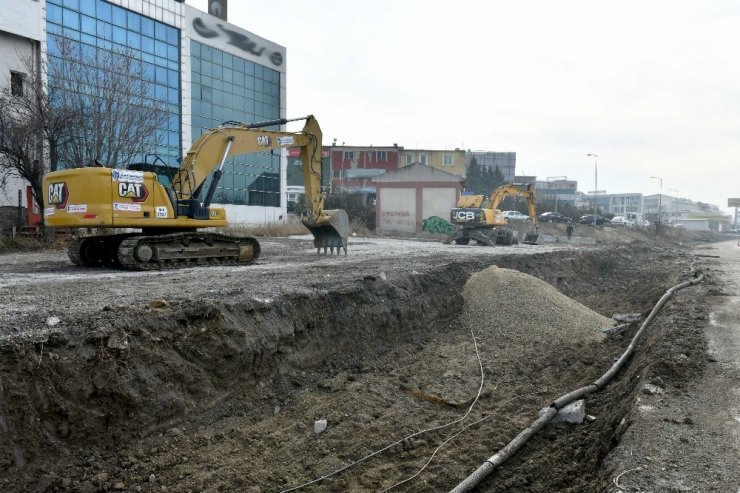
733 202
219 34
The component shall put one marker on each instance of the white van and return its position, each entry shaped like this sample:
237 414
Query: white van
294 193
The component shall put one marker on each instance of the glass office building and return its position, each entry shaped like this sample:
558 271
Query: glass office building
227 88
203 71
99 29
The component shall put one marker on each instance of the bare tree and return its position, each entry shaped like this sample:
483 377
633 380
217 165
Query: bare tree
86 105
121 118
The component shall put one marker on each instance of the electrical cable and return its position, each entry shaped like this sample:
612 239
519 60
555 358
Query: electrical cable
376 452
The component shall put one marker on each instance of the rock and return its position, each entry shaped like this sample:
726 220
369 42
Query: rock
119 486
118 340
175 432
52 321
152 478
158 304
319 426
650 389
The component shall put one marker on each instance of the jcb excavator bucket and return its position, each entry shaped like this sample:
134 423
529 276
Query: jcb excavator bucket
532 238
329 231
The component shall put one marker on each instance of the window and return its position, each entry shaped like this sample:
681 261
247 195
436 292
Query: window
381 156
447 160
349 155
423 157
16 83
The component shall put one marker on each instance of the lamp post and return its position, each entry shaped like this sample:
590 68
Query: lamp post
596 180
660 196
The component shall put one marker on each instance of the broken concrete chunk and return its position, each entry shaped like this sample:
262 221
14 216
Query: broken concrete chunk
574 413
52 321
319 426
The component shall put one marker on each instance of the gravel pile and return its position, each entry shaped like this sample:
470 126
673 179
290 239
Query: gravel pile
509 307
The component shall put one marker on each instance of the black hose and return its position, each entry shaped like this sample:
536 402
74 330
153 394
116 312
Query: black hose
513 446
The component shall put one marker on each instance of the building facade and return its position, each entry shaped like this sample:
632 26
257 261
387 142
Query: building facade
20 44
354 168
445 160
504 161
557 191
203 70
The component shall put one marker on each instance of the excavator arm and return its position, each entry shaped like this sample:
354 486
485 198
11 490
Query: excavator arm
209 152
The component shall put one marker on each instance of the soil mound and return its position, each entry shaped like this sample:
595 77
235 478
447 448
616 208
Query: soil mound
515 308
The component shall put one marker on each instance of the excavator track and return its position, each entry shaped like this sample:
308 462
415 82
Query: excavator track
178 250
157 252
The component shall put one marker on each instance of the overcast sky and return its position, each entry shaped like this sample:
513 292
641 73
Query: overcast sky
652 87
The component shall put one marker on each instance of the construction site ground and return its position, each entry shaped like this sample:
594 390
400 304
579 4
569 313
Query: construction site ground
272 376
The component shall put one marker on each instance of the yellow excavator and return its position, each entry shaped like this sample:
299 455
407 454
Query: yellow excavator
481 220
168 212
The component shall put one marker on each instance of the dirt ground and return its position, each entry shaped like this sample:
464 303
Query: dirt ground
222 379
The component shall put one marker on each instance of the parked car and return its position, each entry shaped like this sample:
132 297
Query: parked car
516 216
554 217
593 219
623 221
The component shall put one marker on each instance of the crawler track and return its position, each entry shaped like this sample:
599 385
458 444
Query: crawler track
157 252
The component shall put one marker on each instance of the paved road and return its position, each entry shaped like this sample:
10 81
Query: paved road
723 335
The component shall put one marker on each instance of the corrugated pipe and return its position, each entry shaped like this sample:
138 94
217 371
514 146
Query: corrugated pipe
513 446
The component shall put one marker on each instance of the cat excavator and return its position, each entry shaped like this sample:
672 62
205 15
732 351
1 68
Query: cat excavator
169 212
481 220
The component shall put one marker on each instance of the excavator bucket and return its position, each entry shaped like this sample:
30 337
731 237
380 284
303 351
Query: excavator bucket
329 231
532 238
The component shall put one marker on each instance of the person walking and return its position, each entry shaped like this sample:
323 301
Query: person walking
569 231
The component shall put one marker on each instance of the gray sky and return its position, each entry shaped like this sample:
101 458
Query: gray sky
652 87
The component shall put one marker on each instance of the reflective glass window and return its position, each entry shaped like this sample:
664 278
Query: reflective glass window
71 19
147 27
54 13
119 16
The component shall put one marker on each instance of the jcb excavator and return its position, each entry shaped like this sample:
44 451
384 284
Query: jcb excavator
169 216
481 220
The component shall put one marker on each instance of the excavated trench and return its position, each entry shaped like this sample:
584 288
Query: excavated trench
224 396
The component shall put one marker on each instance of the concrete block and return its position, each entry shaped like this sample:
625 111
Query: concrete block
577 240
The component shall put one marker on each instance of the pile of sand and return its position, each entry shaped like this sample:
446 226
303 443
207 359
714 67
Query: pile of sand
510 307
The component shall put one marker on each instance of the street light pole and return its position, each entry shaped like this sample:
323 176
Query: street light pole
596 180
675 206
660 196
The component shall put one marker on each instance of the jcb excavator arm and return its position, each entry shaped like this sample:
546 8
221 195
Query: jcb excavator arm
527 192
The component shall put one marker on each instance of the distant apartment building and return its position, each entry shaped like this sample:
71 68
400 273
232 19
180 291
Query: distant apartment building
452 162
353 168
504 161
699 216
624 204
559 190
